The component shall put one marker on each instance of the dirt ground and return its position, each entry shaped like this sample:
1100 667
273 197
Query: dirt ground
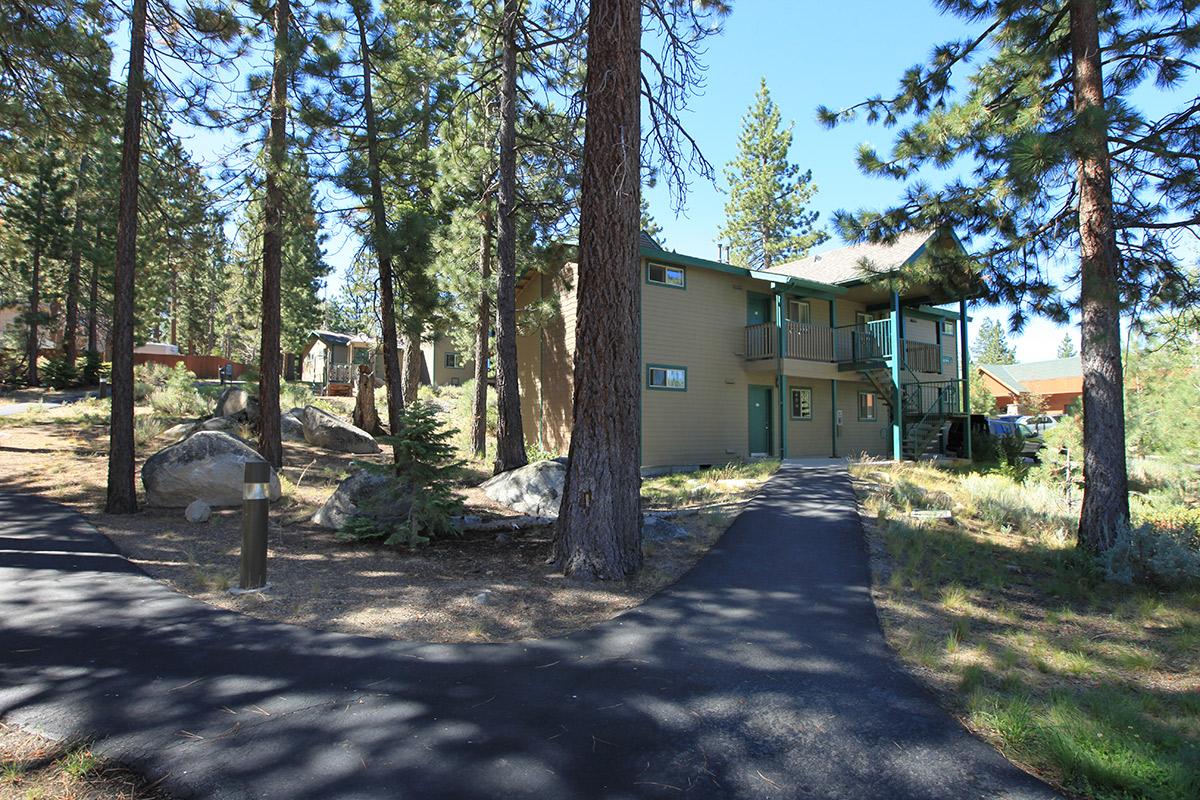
35 768
480 587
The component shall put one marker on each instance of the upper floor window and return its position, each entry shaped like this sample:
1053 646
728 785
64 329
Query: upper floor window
800 311
663 377
861 318
948 327
453 361
666 276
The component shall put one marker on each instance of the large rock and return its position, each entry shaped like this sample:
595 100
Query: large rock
355 495
533 489
291 427
232 401
325 430
231 424
208 466
177 433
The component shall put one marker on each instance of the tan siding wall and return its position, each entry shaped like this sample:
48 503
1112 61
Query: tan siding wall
812 437
857 437
702 328
439 373
545 361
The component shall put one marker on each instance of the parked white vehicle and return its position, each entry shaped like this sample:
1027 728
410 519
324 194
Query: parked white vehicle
1038 424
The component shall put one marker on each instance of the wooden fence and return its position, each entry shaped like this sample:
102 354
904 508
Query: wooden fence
204 366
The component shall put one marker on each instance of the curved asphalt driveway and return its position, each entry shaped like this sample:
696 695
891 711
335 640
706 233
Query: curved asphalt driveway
762 673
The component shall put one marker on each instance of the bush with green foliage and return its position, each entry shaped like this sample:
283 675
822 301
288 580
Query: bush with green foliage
422 479
92 368
1061 440
984 449
58 373
1152 557
178 396
295 394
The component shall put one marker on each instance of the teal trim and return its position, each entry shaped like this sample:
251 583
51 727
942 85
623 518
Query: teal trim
781 379
666 388
814 288
965 359
932 311
897 356
834 421
649 282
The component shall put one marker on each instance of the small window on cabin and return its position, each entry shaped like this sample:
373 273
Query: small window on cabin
802 403
800 311
453 361
666 276
948 327
866 406
861 318
672 378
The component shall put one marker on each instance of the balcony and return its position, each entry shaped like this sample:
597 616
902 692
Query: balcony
849 344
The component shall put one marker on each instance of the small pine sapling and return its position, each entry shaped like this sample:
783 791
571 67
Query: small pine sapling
419 485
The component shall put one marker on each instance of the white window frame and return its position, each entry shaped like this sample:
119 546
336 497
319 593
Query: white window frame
804 307
452 360
667 271
666 370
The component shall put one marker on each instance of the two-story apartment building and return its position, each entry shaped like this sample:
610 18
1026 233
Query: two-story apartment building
825 356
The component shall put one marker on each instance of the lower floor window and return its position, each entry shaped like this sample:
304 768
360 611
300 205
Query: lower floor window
660 377
802 403
453 361
866 405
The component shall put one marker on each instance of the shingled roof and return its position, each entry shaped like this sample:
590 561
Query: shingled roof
858 261
1015 376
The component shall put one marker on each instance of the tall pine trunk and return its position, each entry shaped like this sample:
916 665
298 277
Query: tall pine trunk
32 342
411 378
510 436
483 323
71 328
392 376
270 445
1106 482
598 534
122 495
93 324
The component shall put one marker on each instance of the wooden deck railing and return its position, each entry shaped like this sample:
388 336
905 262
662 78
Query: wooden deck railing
923 356
760 340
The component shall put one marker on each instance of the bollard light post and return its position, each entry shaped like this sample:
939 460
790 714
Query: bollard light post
256 504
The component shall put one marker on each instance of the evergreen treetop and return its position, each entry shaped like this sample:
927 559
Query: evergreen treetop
1066 348
767 219
991 345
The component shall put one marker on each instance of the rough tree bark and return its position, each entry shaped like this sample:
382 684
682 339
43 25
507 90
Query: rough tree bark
392 377
32 343
93 324
598 534
122 495
1106 483
510 436
71 328
270 444
411 379
483 323
365 415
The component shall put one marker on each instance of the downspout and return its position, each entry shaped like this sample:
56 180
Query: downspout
897 397
965 364
833 381
781 381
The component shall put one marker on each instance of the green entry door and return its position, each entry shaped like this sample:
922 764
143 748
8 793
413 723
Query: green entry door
758 308
760 420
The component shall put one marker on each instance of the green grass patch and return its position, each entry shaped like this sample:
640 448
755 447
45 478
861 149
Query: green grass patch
727 482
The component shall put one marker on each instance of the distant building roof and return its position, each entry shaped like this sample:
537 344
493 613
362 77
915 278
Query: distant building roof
334 338
648 241
1016 376
858 261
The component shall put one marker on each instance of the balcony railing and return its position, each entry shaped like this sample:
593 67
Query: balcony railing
848 344
923 356
933 397
338 373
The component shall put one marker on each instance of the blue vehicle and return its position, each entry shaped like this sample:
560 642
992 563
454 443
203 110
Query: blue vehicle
1000 427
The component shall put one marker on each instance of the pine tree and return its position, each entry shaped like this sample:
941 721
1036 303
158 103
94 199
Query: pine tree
649 225
767 219
1066 348
1043 130
991 345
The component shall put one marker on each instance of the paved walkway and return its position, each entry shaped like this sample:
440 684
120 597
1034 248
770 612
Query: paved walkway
762 673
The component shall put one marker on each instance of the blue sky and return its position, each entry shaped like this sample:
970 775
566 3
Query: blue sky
814 53
811 53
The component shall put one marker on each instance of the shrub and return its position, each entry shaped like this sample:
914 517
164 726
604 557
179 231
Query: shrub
1028 509
1061 439
1145 555
1180 522
178 397
293 394
59 373
92 368
984 449
422 477
145 428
